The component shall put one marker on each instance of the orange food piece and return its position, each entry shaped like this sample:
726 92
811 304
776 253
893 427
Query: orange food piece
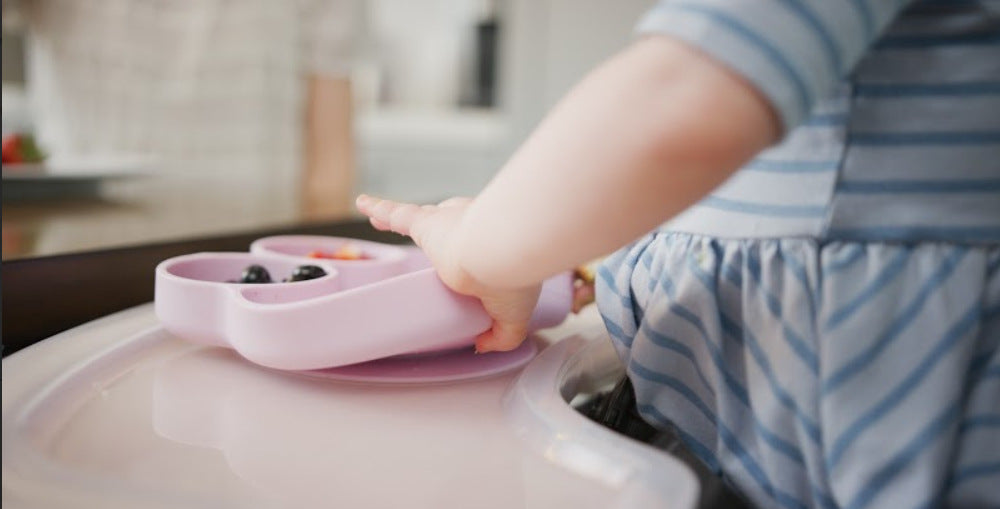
345 252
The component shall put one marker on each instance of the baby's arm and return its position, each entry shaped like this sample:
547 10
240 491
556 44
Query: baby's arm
640 139
643 137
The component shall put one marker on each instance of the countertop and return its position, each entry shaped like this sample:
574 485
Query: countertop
61 216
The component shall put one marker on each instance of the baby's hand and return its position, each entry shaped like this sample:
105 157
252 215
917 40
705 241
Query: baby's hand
435 228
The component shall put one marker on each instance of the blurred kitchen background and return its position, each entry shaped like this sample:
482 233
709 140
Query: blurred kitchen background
442 92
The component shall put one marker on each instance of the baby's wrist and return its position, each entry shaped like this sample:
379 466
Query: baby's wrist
462 282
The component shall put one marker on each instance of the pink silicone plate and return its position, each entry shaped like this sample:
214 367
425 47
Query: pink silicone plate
438 367
360 311
385 261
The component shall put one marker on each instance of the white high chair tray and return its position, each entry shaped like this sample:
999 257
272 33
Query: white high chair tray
119 413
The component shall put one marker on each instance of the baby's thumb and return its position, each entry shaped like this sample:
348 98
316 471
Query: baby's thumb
502 337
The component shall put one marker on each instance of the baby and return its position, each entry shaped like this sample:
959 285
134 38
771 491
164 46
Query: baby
819 320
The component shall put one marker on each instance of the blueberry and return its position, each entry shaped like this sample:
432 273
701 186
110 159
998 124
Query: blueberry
306 272
255 274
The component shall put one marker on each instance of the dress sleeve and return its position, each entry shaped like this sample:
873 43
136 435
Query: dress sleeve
329 34
793 51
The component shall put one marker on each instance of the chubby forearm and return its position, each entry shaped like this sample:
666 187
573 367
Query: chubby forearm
640 139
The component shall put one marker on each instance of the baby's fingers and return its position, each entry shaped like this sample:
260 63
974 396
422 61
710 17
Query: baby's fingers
502 337
511 312
389 215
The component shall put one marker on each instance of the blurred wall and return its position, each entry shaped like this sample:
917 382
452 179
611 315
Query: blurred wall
554 43
13 57
426 154
545 47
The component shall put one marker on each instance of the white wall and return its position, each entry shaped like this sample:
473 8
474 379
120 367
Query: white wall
567 38
546 46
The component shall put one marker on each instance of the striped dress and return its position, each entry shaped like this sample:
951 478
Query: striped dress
823 329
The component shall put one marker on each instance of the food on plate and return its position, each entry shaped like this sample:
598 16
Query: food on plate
255 274
305 273
345 252
21 148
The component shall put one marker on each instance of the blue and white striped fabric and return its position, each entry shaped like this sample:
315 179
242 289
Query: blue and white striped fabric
893 125
840 374
823 329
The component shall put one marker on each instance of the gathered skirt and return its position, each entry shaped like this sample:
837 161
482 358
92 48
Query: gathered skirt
818 374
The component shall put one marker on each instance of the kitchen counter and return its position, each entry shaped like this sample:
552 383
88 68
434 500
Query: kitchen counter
44 218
